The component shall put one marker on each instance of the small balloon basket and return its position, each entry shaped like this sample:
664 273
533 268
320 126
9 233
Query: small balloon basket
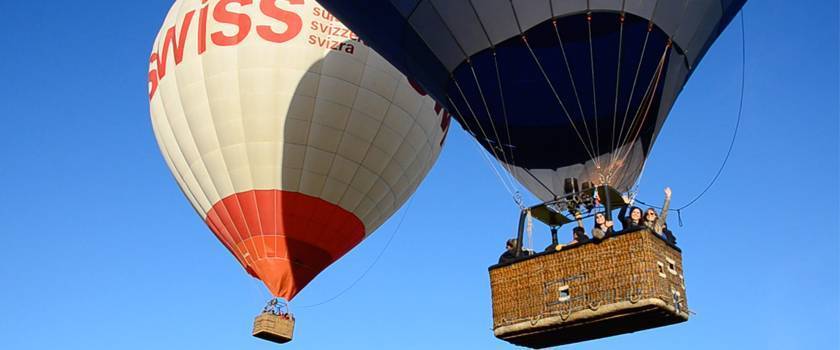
626 283
274 324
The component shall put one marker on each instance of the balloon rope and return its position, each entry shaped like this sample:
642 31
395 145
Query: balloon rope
572 81
557 96
503 159
501 90
594 94
480 128
548 81
490 163
372 264
504 108
649 95
737 122
617 76
614 157
490 117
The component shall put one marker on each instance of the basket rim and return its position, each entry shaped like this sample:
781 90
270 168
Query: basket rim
578 245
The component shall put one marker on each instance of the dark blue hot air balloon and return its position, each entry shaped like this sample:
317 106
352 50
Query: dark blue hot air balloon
554 89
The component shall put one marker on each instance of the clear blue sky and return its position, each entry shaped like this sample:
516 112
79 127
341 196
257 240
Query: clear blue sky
100 250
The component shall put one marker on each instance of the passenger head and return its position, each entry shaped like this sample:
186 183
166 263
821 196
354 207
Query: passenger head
578 231
511 244
635 214
650 215
600 219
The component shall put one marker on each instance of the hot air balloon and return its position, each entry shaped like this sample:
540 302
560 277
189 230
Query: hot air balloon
569 97
291 139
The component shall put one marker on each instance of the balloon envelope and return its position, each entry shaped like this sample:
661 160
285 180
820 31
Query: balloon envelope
553 89
289 136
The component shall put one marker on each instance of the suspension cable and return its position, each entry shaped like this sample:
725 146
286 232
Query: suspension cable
618 74
501 90
594 94
467 59
737 124
472 112
574 85
490 163
649 95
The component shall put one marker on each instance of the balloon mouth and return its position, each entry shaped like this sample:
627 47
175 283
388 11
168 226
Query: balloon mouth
285 239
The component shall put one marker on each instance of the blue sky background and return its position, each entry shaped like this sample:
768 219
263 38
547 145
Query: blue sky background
100 250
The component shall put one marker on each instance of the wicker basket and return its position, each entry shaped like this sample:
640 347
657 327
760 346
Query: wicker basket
276 328
625 283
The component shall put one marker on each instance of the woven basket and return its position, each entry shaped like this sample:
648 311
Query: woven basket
276 328
625 283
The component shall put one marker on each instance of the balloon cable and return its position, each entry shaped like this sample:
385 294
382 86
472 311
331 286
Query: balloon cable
372 264
737 124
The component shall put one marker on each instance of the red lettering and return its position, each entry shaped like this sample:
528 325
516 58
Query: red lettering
153 76
202 29
177 44
319 12
292 20
241 20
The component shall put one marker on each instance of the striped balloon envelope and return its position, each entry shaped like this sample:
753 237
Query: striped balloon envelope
289 136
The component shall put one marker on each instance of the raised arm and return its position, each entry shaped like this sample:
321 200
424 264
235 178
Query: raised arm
622 214
664 214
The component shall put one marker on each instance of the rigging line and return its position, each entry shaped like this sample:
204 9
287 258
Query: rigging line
550 85
540 182
372 264
633 89
668 46
557 96
489 162
650 92
499 80
617 77
594 95
504 109
648 101
489 116
574 85
472 112
737 122
503 160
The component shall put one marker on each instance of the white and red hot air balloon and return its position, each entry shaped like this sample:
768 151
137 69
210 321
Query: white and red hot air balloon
289 136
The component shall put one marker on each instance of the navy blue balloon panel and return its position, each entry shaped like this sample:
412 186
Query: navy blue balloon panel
584 98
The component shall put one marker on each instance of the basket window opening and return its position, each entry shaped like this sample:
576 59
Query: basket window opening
564 293
672 266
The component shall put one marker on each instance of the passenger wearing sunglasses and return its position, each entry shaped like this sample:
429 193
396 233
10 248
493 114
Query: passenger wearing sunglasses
656 222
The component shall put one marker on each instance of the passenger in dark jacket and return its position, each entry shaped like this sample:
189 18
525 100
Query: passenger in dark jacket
579 234
510 252
633 221
669 236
